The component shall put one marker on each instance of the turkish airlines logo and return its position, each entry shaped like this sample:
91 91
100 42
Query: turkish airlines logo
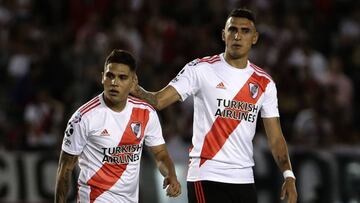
136 129
254 90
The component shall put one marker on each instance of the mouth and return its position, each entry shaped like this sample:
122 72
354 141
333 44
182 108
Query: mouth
236 46
113 92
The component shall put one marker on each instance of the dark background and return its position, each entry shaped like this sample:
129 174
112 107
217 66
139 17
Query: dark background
52 54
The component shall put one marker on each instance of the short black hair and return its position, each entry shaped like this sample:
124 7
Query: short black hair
123 57
242 13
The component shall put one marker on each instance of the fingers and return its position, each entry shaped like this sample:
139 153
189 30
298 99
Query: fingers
165 183
292 196
173 187
173 190
291 200
289 189
283 192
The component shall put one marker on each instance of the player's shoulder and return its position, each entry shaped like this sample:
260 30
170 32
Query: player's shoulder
85 110
260 71
139 103
90 106
205 61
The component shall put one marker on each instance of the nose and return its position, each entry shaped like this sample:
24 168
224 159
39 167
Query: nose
113 81
237 36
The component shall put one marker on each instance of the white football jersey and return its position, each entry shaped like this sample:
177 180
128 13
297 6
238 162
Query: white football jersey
109 145
227 102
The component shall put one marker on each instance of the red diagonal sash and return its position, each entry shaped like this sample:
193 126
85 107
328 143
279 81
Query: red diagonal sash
109 174
223 127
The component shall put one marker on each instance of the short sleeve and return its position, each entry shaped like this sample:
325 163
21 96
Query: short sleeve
269 107
153 131
75 136
186 82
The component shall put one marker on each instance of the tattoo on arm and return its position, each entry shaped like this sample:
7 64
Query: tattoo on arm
66 165
147 96
277 143
62 187
283 161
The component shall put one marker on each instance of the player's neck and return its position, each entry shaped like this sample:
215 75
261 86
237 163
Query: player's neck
117 107
236 63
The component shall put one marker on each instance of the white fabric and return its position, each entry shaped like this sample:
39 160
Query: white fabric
213 83
94 133
288 174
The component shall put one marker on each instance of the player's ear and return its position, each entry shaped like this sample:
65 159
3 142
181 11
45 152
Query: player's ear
134 82
255 38
223 35
102 77
135 79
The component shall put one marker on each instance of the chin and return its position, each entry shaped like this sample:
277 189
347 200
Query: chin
235 56
115 102
111 98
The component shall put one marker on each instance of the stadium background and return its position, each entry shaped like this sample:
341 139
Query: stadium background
52 53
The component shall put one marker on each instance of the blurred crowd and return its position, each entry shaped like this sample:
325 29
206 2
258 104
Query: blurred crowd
52 54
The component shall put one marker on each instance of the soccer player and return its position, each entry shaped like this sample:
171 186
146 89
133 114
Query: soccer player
107 135
229 91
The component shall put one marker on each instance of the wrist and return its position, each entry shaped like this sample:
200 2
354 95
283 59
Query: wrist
172 175
289 174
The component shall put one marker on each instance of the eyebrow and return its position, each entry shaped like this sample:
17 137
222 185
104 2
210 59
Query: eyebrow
242 27
245 28
118 74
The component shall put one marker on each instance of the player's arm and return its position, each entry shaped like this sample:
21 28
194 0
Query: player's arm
66 165
277 143
159 99
167 169
280 153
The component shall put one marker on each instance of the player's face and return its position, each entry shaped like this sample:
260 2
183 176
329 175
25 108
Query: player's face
239 35
117 79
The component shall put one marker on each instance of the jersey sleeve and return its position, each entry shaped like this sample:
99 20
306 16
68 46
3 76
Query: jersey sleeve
75 135
153 131
186 82
269 108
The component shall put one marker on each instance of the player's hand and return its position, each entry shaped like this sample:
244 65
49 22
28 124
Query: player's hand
289 189
172 185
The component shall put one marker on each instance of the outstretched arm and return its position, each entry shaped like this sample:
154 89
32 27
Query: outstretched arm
167 169
66 165
280 153
159 99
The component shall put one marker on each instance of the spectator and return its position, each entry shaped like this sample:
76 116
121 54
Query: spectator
43 117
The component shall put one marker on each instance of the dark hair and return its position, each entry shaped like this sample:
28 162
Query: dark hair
242 13
123 57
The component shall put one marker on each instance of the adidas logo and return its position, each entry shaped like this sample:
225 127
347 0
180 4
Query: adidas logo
221 86
104 133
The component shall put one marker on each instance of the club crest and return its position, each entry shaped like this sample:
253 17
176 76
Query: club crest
254 90
136 129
